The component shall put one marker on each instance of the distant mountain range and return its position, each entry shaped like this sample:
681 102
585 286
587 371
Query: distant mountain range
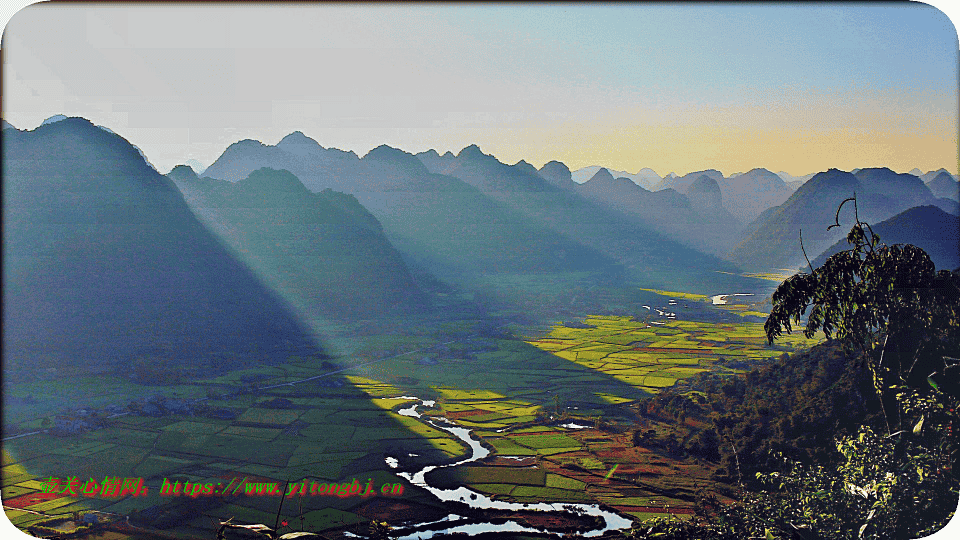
794 181
342 235
944 185
548 201
927 227
697 218
645 177
441 223
772 240
930 175
104 265
456 215
324 251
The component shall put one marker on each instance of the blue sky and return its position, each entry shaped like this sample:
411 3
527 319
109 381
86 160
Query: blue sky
675 87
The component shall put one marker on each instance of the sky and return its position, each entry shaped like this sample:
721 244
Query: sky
674 87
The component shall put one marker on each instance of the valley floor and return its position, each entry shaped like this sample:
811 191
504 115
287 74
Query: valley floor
556 404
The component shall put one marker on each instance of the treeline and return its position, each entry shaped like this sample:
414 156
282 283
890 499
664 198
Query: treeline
796 406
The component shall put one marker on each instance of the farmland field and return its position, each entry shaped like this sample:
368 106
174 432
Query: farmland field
554 407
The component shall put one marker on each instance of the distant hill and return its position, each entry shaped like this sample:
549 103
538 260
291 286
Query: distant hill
749 194
105 265
645 177
558 174
696 219
324 251
774 238
681 183
440 223
745 195
927 227
579 214
944 185
704 194
794 185
794 182
317 167
907 189
930 175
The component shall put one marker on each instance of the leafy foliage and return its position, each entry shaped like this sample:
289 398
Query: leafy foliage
796 405
888 304
888 301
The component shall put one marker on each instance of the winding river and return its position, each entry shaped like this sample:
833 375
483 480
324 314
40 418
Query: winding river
473 499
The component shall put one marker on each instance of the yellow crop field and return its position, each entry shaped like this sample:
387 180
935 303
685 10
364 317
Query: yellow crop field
630 350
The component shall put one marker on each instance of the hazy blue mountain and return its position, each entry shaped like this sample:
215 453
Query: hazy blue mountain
558 174
526 167
745 195
435 162
578 215
916 172
705 196
681 183
794 185
945 186
53 119
197 167
104 265
750 193
646 177
794 182
930 175
774 238
927 227
324 251
906 189
317 167
455 230
489 175
7 125
438 222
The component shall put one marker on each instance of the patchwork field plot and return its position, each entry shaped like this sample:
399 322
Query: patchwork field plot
655 356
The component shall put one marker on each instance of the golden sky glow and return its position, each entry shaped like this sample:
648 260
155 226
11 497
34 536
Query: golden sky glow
677 88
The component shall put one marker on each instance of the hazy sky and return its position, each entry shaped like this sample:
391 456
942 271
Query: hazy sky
673 87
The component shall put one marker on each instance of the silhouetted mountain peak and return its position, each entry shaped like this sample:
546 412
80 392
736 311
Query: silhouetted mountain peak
557 173
298 142
148 275
182 173
7 125
832 177
603 175
525 167
244 144
471 152
704 193
396 157
712 173
943 185
704 184
875 170
904 187
943 176
268 181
